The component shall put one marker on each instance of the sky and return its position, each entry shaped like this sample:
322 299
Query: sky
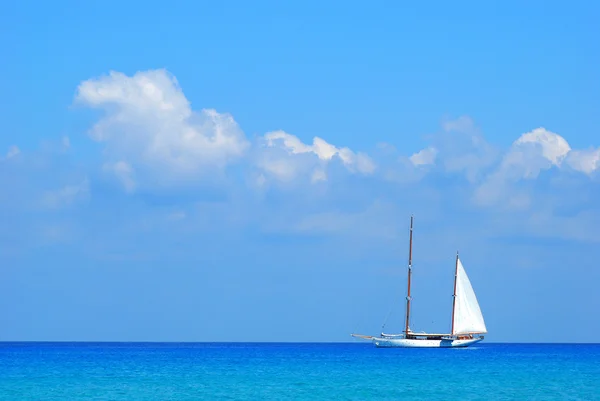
246 171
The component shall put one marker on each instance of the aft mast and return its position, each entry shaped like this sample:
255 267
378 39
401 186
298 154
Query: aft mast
466 313
454 294
407 328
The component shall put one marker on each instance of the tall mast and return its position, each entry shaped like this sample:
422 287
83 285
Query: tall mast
454 294
409 275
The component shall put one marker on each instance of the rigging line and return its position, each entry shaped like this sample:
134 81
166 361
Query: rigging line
360 320
393 303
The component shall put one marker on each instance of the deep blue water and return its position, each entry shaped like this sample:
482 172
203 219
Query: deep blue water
354 371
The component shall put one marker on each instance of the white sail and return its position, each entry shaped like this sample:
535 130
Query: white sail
467 314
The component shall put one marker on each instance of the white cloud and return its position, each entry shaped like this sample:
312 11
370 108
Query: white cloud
124 173
290 142
150 126
376 220
582 226
551 146
357 161
530 154
13 151
176 216
154 137
67 195
275 163
463 149
586 161
260 181
319 175
424 157
463 124
541 149
66 142
285 157
324 151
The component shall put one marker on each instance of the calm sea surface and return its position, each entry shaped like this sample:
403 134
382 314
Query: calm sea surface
354 371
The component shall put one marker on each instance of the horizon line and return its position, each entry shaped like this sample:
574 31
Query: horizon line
257 342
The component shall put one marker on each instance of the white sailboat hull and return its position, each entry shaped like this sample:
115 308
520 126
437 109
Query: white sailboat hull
382 342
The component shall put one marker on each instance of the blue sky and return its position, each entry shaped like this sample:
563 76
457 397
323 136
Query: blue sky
193 171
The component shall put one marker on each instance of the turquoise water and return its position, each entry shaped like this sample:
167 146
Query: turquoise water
354 371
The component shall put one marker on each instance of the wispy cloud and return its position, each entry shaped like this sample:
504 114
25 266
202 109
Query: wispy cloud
124 173
13 151
66 195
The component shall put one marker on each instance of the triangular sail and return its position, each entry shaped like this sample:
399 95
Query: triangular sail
467 314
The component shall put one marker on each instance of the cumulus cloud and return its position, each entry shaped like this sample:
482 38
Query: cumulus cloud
424 157
150 126
586 161
284 156
541 149
152 136
551 146
532 153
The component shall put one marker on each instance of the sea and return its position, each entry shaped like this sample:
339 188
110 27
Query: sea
296 371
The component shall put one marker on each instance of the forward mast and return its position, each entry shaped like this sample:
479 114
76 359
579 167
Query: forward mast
408 299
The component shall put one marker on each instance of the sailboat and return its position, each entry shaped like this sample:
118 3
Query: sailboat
468 326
